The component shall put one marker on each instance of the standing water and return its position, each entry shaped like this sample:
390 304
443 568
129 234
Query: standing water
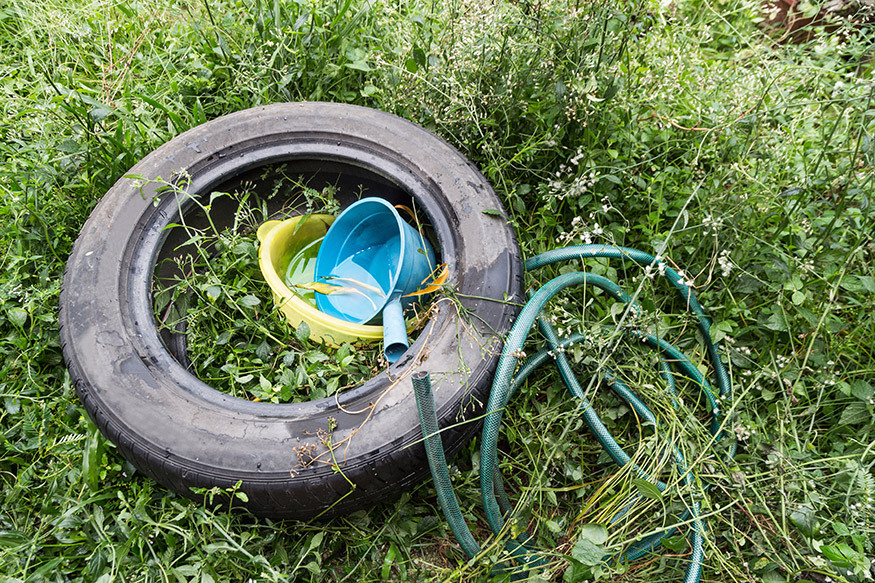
302 269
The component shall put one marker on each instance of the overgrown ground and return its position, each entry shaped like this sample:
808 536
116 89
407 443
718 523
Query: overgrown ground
637 123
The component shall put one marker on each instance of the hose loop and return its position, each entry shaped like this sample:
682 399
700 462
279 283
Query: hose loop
509 375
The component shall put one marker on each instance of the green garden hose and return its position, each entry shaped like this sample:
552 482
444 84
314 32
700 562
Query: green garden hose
497 507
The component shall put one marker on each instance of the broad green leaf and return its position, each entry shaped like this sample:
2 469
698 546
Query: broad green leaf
868 283
776 322
647 489
855 413
17 316
595 533
419 56
862 390
249 300
213 292
805 520
359 66
842 555
13 406
244 248
589 548
315 541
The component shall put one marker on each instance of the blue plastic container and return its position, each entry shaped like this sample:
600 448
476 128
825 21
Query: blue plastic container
377 258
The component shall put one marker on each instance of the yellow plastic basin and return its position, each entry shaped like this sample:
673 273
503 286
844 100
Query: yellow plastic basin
291 239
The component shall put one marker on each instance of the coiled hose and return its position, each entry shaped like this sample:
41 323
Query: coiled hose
497 507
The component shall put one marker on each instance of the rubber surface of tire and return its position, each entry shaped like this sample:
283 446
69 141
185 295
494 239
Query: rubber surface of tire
133 380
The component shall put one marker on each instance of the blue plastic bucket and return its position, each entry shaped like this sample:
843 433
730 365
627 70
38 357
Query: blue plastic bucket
376 258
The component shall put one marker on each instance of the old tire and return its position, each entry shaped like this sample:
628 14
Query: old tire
133 380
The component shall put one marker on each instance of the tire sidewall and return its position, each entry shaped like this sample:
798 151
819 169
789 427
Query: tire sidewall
293 460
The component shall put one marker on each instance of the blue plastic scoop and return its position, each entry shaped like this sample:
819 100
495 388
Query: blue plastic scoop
374 258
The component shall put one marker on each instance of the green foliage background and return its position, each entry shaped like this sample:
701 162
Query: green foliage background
640 123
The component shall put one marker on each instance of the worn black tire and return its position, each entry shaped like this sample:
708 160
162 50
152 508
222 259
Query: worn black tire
133 380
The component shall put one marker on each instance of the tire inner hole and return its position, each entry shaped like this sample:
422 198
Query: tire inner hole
185 282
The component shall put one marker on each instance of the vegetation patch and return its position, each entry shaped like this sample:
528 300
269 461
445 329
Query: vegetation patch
679 128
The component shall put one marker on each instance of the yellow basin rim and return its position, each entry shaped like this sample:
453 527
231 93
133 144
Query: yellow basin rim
280 240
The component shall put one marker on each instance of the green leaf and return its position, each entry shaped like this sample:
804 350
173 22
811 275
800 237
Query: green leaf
213 292
91 457
577 572
17 316
244 248
214 195
359 66
99 113
211 548
263 350
842 555
493 213
388 561
589 548
594 532
675 543
773 576
419 56
720 330
862 390
868 283
314 568
302 332
855 413
69 146
805 520
776 322
12 538
249 300
647 489
13 406
315 541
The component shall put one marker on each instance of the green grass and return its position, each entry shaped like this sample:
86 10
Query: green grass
677 125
